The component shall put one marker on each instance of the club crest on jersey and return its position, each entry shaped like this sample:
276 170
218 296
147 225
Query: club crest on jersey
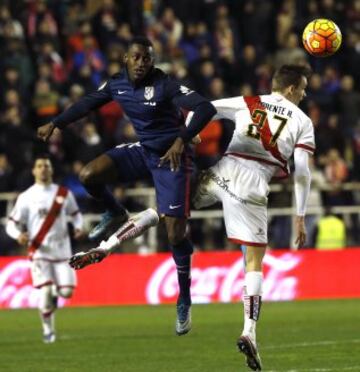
60 199
149 93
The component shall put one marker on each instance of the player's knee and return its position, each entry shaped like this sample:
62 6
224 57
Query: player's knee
254 258
176 236
86 175
65 292
176 228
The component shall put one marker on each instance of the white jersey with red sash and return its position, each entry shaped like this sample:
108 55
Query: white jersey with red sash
267 130
43 212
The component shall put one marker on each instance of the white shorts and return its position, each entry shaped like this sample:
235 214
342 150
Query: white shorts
45 272
243 190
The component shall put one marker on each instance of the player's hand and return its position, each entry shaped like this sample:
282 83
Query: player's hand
173 155
45 131
300 231
83 259
23 239
196 140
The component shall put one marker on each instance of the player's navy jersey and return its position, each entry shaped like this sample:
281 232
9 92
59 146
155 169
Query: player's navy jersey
153 106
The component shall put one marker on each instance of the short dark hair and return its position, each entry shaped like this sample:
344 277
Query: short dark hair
142 40
288 75
41 156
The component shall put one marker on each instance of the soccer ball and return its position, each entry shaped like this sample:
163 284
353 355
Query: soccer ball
322 37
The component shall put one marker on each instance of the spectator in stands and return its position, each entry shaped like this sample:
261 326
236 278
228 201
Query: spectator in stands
47 54
317 94
9 27
40 22
91 145
45 101
92 58
336 172
105 22
349 104
330 232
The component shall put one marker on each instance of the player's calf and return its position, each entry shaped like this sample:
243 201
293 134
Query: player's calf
134 227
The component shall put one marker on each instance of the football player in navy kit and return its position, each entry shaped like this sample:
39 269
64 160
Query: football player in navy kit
153 102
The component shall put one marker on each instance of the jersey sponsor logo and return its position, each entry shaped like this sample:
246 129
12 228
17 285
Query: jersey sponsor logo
121 92
150 103
174 206
149 93
224 184
185 90
260 231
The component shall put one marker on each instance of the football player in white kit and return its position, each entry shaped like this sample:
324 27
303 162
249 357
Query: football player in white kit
269 129
39 221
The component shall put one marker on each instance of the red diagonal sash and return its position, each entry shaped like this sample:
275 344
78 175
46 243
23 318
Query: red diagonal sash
49 219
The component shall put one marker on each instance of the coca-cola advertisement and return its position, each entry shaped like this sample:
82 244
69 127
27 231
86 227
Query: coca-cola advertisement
216 277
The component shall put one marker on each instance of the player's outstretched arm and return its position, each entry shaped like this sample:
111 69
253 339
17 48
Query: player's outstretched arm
302 180
76 111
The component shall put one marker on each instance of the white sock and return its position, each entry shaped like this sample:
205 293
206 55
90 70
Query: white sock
252 302
134 227
47 310
48 322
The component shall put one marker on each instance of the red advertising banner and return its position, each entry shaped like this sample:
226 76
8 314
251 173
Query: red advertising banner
216 277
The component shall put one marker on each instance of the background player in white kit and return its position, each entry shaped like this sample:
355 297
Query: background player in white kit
39 221
269 129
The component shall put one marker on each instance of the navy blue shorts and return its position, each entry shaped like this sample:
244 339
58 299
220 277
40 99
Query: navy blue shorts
134 163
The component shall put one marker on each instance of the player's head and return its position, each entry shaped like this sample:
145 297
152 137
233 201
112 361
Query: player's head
291 81
139 58
42 169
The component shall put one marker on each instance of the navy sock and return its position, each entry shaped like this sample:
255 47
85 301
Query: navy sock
103 194
182 257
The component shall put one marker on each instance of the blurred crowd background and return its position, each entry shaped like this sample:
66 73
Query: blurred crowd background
53 52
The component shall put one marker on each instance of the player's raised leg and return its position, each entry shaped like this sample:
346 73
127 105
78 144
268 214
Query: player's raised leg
252 305
124 163
94 177
133 228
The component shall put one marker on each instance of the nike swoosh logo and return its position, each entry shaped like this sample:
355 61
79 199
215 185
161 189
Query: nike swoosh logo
174 206
121 91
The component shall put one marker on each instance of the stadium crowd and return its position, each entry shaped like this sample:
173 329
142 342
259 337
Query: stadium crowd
54 52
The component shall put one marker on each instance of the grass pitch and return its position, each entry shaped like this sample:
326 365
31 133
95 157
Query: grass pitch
314 336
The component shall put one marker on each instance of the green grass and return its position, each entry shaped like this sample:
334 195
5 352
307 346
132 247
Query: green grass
293 336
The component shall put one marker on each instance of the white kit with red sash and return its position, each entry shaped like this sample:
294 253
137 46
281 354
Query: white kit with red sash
49 220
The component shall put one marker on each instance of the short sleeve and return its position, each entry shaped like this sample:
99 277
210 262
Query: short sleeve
306 139
228 107
20 211
181 95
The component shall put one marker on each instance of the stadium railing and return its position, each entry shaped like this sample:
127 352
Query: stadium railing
149 198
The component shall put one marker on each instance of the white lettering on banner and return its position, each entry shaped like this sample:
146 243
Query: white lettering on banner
16 290
225 283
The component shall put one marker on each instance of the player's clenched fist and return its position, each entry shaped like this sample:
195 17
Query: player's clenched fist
82 259
45 131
